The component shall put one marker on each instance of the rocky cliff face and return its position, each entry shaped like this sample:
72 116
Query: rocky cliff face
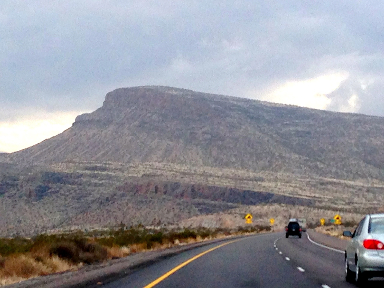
164 124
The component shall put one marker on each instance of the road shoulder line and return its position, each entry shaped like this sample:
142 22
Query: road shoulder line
323 246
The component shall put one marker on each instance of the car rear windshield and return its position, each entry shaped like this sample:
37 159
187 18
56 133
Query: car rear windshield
376 225
293 225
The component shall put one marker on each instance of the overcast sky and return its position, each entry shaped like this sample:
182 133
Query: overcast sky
58 59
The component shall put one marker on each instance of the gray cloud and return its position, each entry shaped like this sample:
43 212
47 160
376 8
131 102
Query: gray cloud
69 55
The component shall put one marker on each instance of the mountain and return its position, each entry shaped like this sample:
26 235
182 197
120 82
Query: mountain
171 125
167 156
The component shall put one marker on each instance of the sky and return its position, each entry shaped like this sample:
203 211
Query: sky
58 59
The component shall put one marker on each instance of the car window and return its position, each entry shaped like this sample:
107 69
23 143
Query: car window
358 229
293 225
376 225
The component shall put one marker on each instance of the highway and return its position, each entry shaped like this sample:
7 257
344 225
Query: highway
264 260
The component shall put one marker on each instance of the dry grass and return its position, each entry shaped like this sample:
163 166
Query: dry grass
335 230
21 267
118 252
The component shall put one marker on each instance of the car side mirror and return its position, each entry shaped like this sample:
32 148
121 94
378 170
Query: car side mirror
347 234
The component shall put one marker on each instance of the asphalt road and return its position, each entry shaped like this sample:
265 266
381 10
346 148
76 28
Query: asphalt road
265 260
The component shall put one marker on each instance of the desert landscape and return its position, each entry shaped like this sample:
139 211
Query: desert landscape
170 157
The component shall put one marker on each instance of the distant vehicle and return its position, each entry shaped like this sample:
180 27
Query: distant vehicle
364 255
301 221
293 228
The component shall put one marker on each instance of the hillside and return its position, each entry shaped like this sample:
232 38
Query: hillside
170 125
168 156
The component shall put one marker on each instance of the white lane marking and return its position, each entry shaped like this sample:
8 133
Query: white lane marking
277 248
325 286
300 269
318 244
287 258
280 252
274 242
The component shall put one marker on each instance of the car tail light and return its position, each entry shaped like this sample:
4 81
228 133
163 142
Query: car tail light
286 228
300 229
373 244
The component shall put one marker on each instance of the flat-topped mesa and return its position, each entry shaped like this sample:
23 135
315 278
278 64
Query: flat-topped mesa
124 97
171 125
145 98
154 104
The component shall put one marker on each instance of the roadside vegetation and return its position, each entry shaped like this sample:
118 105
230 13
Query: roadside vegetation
337 230
24 258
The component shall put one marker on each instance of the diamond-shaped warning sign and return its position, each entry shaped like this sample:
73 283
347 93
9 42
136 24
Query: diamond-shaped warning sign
337 219
248 218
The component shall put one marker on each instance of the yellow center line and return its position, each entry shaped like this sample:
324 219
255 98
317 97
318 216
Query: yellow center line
158 280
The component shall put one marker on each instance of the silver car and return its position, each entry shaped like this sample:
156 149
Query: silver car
364 255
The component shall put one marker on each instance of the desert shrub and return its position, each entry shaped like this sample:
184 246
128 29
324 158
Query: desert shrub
107 241
2 261
66 250
154 238
149 238
221 231
204 233
185 234
14 245
247 229
79 250
43 240
93 253
130 236
263 228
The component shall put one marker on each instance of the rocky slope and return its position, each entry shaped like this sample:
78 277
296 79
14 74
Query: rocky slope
170 125
162 155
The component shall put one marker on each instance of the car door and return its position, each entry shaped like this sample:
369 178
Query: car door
353 247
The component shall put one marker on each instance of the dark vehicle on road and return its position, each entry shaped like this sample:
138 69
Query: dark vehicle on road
293 228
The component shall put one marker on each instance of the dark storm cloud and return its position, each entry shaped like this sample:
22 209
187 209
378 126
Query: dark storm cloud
60 55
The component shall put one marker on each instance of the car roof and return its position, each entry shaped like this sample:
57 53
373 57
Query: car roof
293 222
378 215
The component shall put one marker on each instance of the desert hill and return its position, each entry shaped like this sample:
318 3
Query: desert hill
167 156
170 125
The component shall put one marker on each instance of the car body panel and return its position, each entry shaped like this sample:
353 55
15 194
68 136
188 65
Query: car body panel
369 261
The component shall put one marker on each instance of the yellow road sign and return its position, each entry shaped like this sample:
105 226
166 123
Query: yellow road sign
337 219
248 218
322 221
272 221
